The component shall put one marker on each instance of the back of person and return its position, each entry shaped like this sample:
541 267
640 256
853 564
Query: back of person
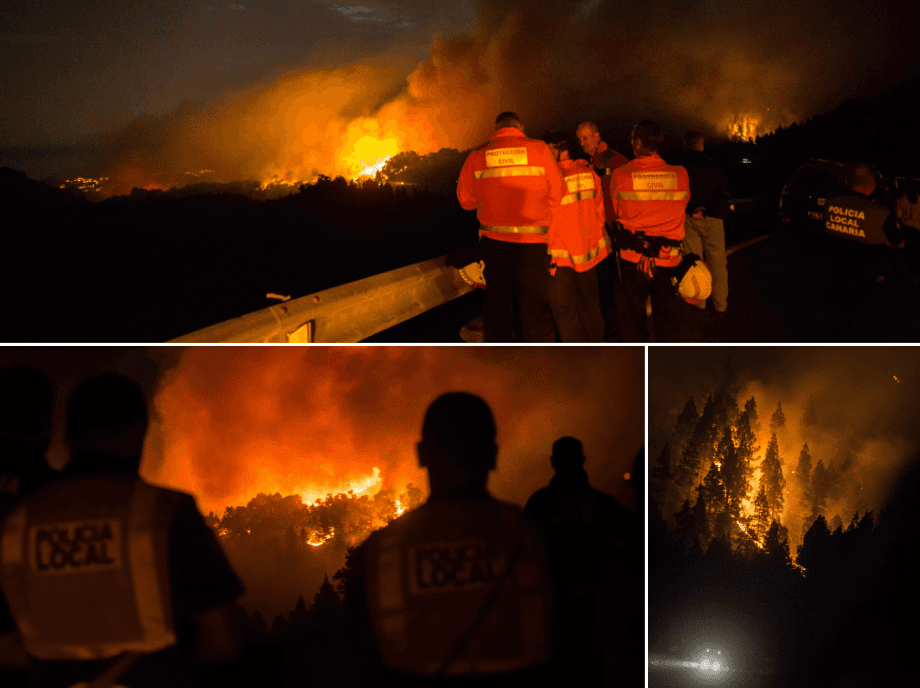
513 183
459 560
578 239
104 574
457 591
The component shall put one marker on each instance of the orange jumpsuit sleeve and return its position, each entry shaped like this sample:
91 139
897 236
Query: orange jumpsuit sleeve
466 192
599 201
557 187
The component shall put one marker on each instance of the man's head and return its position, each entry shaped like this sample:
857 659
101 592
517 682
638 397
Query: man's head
589 138
508 119
862 179
694 140
458 442
108 415
26 405
568 456
561 145
646 138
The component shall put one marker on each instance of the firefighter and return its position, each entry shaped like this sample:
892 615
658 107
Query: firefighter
604 160
457 591
648 198
577 243
106 577
513 183
597 565
26 405
706 211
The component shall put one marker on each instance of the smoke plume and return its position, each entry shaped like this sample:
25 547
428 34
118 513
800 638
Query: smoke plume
742 67
233 422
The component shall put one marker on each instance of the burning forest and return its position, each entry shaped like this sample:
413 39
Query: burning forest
782 494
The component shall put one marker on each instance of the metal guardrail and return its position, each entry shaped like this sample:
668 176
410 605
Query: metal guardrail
347 313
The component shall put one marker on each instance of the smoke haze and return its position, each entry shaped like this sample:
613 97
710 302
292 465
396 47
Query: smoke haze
843 401
233 422
690 65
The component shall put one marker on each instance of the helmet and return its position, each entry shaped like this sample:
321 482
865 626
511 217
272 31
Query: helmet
473 274
692 279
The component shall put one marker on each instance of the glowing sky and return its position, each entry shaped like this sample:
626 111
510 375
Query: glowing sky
75 74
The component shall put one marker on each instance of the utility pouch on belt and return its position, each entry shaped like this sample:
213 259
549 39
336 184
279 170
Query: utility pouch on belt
649 246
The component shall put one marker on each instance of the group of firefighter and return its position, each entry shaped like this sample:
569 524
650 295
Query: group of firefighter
563 240
107 580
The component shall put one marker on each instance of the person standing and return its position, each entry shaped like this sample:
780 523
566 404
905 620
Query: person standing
578 242
596 556
706 211
649 198
603 160
513 184
106 577
457 591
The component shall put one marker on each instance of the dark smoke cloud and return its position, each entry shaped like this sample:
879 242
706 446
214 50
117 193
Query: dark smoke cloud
688 64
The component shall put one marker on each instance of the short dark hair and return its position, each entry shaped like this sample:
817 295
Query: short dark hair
460 425
562 141
649 133
26 401
693 138
104 407
507 119
568 454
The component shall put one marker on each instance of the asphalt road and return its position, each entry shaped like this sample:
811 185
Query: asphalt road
781 290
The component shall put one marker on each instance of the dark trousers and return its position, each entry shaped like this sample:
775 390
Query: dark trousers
670 313
574 301
516 269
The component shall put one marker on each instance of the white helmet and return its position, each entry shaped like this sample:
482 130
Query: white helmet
692 279
474 274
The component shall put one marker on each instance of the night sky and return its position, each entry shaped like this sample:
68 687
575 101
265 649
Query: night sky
259 88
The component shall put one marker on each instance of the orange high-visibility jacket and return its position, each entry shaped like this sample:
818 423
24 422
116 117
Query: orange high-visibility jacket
513 183
577 238
430 574
650 196
85 568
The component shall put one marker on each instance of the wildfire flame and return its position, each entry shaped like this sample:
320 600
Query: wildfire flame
743 127
318 539
317 494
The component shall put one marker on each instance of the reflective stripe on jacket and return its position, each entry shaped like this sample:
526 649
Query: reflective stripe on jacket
429 575
648 195
513 183
84 567
578 239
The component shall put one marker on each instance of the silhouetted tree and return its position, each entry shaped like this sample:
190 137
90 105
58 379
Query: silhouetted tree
772 478
778 419
683 521
815 549
751 407
803 474
299 615
660 484
759 523
683 430
776 545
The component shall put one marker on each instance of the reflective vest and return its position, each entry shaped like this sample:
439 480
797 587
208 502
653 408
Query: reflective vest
650 196
513 183
430 574
84 567
578 238
856 219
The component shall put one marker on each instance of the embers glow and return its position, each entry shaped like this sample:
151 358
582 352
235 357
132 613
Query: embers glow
743 127
317 494
318 539
400 507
